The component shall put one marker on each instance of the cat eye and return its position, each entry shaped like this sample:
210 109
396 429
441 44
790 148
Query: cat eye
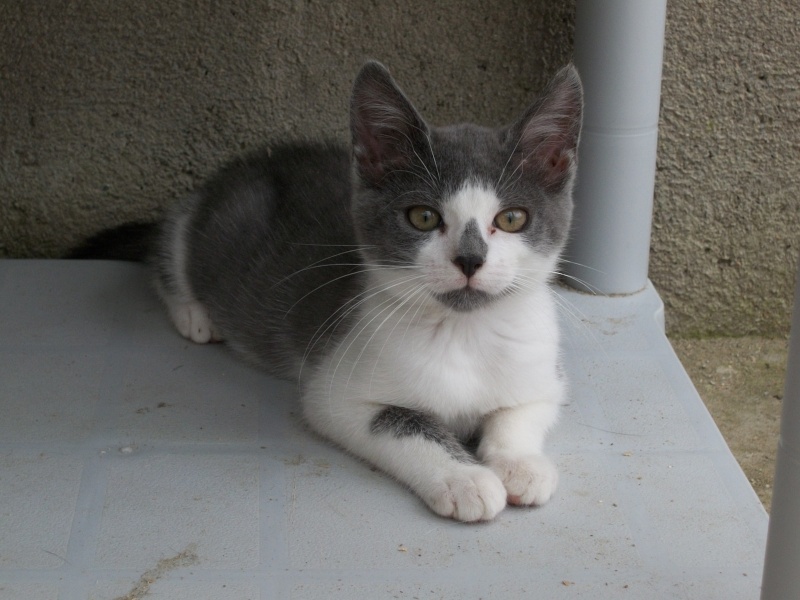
424 218
511 220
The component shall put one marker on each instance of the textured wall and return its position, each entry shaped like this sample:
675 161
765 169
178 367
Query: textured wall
111 110
726 232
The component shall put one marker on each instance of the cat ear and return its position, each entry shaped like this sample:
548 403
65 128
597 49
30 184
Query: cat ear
384 124
545 140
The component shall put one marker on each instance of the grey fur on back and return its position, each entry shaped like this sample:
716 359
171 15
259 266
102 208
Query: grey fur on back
271 249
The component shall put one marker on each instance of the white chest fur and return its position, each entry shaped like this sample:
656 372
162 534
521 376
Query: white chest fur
458 366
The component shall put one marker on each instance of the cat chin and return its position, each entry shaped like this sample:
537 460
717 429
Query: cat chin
466 299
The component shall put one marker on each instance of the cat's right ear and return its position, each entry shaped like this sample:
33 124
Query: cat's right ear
545 140
385 126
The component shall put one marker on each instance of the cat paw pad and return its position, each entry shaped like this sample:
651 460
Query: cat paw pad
528 480
475 494
192 321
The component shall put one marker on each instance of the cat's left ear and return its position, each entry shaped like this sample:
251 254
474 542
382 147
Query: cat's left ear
544 141
387 130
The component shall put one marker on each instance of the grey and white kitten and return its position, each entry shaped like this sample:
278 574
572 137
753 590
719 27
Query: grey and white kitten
404 284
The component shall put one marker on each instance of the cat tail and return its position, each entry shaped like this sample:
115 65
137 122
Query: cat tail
130 242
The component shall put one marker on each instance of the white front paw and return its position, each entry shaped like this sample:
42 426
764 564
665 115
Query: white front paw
473 493
529 480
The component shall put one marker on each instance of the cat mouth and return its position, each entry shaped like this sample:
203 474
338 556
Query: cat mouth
465 299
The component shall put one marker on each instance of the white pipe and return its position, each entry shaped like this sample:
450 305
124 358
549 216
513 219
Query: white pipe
782 561
618 52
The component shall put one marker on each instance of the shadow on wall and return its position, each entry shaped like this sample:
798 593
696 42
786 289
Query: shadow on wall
116 111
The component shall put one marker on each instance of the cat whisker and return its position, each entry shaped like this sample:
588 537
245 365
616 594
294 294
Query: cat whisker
580 320
389 301
512 178
366 294
522 285
577 264
547 137
346 309
429 182
427 136
413 126
418 295
413 192
589 287
399 303
433 156
372 291
332 245
592 289
569 311
499 185
321 262
367 269
433 180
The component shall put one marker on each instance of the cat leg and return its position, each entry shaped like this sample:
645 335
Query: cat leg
192 321
511 445
416 449
189 316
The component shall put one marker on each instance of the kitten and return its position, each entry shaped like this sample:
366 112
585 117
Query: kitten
404 284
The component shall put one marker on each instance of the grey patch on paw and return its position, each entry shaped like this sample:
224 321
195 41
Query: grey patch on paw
403 422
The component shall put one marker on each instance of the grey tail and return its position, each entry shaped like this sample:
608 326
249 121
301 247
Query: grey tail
131 242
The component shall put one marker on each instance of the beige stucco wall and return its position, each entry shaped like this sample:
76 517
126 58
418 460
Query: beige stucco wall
727 214
112 110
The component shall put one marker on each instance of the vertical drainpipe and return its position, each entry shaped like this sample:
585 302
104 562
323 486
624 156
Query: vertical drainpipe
618 52
782 561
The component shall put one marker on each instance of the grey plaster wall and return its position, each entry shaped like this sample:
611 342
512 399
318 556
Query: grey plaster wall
111 110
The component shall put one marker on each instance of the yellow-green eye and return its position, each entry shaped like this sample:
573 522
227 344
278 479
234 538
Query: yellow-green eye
511 220
424 218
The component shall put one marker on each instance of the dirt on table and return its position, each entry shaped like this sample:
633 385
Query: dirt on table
741 382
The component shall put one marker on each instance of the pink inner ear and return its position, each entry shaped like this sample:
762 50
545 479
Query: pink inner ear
559 161
369 158
377 154
550 157
556 165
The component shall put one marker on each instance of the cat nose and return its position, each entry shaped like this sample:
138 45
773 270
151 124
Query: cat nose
468 264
